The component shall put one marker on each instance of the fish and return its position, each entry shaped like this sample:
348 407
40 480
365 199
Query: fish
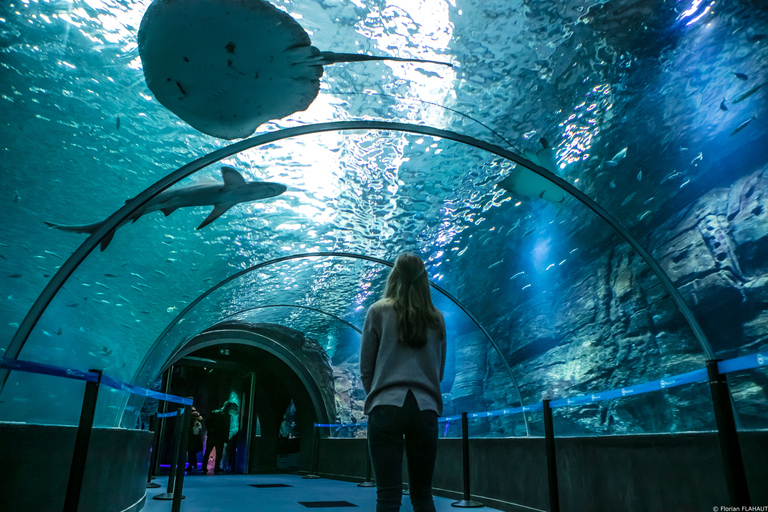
753 38
748 93
233 191
16 197
225 67
742 126
722 105
741 76
618 157
117 123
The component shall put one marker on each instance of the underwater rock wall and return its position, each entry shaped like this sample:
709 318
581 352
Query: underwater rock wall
614 325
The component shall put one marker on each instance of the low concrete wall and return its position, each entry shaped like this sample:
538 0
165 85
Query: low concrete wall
673 473
37 458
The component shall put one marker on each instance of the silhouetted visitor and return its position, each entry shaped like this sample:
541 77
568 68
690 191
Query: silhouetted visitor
217 427
194 441
402 359
231 452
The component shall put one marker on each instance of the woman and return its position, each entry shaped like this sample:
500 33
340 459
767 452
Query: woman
401 364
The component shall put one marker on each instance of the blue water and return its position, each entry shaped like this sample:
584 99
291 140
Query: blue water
628 95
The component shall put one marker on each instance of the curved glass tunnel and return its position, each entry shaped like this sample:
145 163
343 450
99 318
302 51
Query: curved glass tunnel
573 324
636 124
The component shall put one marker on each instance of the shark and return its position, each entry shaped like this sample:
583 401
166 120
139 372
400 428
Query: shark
222 196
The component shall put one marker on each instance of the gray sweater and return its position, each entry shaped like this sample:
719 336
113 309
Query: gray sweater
389 368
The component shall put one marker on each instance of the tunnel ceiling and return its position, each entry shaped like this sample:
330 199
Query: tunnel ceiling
654 110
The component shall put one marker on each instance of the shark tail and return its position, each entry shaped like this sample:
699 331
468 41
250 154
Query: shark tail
81 228
87 229
333 58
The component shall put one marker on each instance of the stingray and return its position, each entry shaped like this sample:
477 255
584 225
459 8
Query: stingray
527 183
225 67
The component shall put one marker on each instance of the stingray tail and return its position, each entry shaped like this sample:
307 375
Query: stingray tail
333 58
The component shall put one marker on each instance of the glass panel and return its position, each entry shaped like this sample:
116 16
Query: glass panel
53 400
660 129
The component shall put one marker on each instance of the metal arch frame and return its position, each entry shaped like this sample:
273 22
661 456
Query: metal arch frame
148 357
316 310
174 356
262 342
113 222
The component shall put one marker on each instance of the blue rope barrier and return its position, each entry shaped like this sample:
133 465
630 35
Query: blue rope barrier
169 414
731 365
136 390
656 385
69 373
341 425
742 363
727 366
46 369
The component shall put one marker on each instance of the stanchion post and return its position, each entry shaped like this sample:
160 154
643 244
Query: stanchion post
406 476
154 424
163 407
178 488
549 440
315 441
83 439
467 502
735 476
168 494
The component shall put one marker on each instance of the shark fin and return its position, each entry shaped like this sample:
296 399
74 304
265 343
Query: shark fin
532 156
168 211
547 160
231 177
105 241
218 211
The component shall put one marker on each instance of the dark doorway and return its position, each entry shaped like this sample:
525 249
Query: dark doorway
275 411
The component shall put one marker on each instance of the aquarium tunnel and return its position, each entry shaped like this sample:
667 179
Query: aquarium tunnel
199 210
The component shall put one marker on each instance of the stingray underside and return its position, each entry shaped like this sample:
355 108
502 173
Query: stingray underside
227 66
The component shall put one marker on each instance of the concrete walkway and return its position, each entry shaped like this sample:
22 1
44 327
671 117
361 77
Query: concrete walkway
282 493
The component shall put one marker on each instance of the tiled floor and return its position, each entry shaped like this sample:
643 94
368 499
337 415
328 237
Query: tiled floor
221 493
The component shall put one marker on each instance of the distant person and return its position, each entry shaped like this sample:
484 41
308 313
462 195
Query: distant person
402 359
194 441
285 430
217 426
230 451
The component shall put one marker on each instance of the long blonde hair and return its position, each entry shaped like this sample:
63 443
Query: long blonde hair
408 291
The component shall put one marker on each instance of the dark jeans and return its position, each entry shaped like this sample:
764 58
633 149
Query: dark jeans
390 429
